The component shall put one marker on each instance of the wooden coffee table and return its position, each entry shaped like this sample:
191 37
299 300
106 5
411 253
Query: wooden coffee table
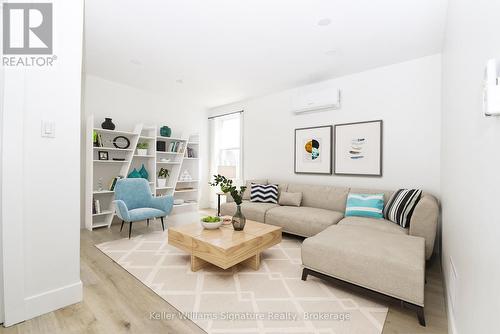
224 247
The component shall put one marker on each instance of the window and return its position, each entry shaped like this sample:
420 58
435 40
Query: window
229 143
226 146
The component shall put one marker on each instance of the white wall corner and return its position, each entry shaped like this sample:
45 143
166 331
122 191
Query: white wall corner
52 300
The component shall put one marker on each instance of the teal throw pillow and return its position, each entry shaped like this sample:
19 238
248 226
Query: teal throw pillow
365 205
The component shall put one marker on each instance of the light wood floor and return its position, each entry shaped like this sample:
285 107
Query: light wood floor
116 302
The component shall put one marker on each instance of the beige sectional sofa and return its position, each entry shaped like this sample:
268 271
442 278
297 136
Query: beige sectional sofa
372 253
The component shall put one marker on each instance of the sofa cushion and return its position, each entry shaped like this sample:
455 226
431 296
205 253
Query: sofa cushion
264 193
145 213
246 194
381 225
303 221
321 197
356 254
387 193
365 205
401 205
290 199
281 186
251 210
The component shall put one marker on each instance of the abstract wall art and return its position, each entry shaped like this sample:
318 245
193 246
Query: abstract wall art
313 150
358 148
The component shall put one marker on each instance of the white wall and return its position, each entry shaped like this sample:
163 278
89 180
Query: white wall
405 96
128 106
470 169
41 192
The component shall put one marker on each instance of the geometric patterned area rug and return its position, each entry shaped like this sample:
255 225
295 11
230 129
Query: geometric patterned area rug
240 300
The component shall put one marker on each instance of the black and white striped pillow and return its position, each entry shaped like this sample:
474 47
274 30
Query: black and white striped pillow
401 205
264 193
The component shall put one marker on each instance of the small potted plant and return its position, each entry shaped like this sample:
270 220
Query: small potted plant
142 149
163 173
226 186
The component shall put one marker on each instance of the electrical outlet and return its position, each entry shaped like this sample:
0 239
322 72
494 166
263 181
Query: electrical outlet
452 284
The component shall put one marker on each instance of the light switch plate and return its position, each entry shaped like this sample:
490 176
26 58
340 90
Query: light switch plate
48 129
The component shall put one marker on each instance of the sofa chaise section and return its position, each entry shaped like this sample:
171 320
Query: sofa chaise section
389 263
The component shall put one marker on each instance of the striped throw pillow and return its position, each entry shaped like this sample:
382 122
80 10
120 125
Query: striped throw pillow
264 193
365 205
401 205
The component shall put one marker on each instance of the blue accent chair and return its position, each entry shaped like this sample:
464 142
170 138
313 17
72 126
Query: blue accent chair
134 202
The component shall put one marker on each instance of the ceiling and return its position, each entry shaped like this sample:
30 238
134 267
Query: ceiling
221 51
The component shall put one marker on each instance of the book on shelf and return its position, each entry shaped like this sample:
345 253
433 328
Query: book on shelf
97 140
113 182
176 146
191 153
97 206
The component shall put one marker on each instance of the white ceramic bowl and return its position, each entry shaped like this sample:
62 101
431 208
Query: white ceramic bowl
211 226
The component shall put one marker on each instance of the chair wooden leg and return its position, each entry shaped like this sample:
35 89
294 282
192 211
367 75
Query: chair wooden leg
121 227
162 225
148 222
129 229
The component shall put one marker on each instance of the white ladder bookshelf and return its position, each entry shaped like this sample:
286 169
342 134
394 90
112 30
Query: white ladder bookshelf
99 173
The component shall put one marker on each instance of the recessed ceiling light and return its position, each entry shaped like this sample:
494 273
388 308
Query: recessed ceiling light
135 61
324 22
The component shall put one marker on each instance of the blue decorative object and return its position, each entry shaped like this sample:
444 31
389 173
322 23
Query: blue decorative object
365 205
134 174
134 202
144 173
165 131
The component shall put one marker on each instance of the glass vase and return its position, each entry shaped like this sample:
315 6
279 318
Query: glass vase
239 219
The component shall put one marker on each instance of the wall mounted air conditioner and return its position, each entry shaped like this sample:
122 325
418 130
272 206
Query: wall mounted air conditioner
316 99
491 88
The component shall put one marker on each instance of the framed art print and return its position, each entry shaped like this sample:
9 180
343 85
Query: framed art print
358 148
313 150
103 155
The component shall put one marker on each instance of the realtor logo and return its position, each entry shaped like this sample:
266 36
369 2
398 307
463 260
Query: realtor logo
27 28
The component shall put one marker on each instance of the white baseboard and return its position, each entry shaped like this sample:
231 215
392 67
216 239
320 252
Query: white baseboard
452 329
53 300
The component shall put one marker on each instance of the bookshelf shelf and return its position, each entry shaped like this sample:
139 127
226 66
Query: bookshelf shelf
113 149
103 192
103 213
115 132
111 161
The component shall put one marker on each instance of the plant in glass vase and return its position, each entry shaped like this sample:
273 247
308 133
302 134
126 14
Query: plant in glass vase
226 186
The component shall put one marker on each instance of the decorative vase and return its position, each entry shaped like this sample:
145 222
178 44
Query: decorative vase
239 219
108 124
134 174
165 131
162 183
144 173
